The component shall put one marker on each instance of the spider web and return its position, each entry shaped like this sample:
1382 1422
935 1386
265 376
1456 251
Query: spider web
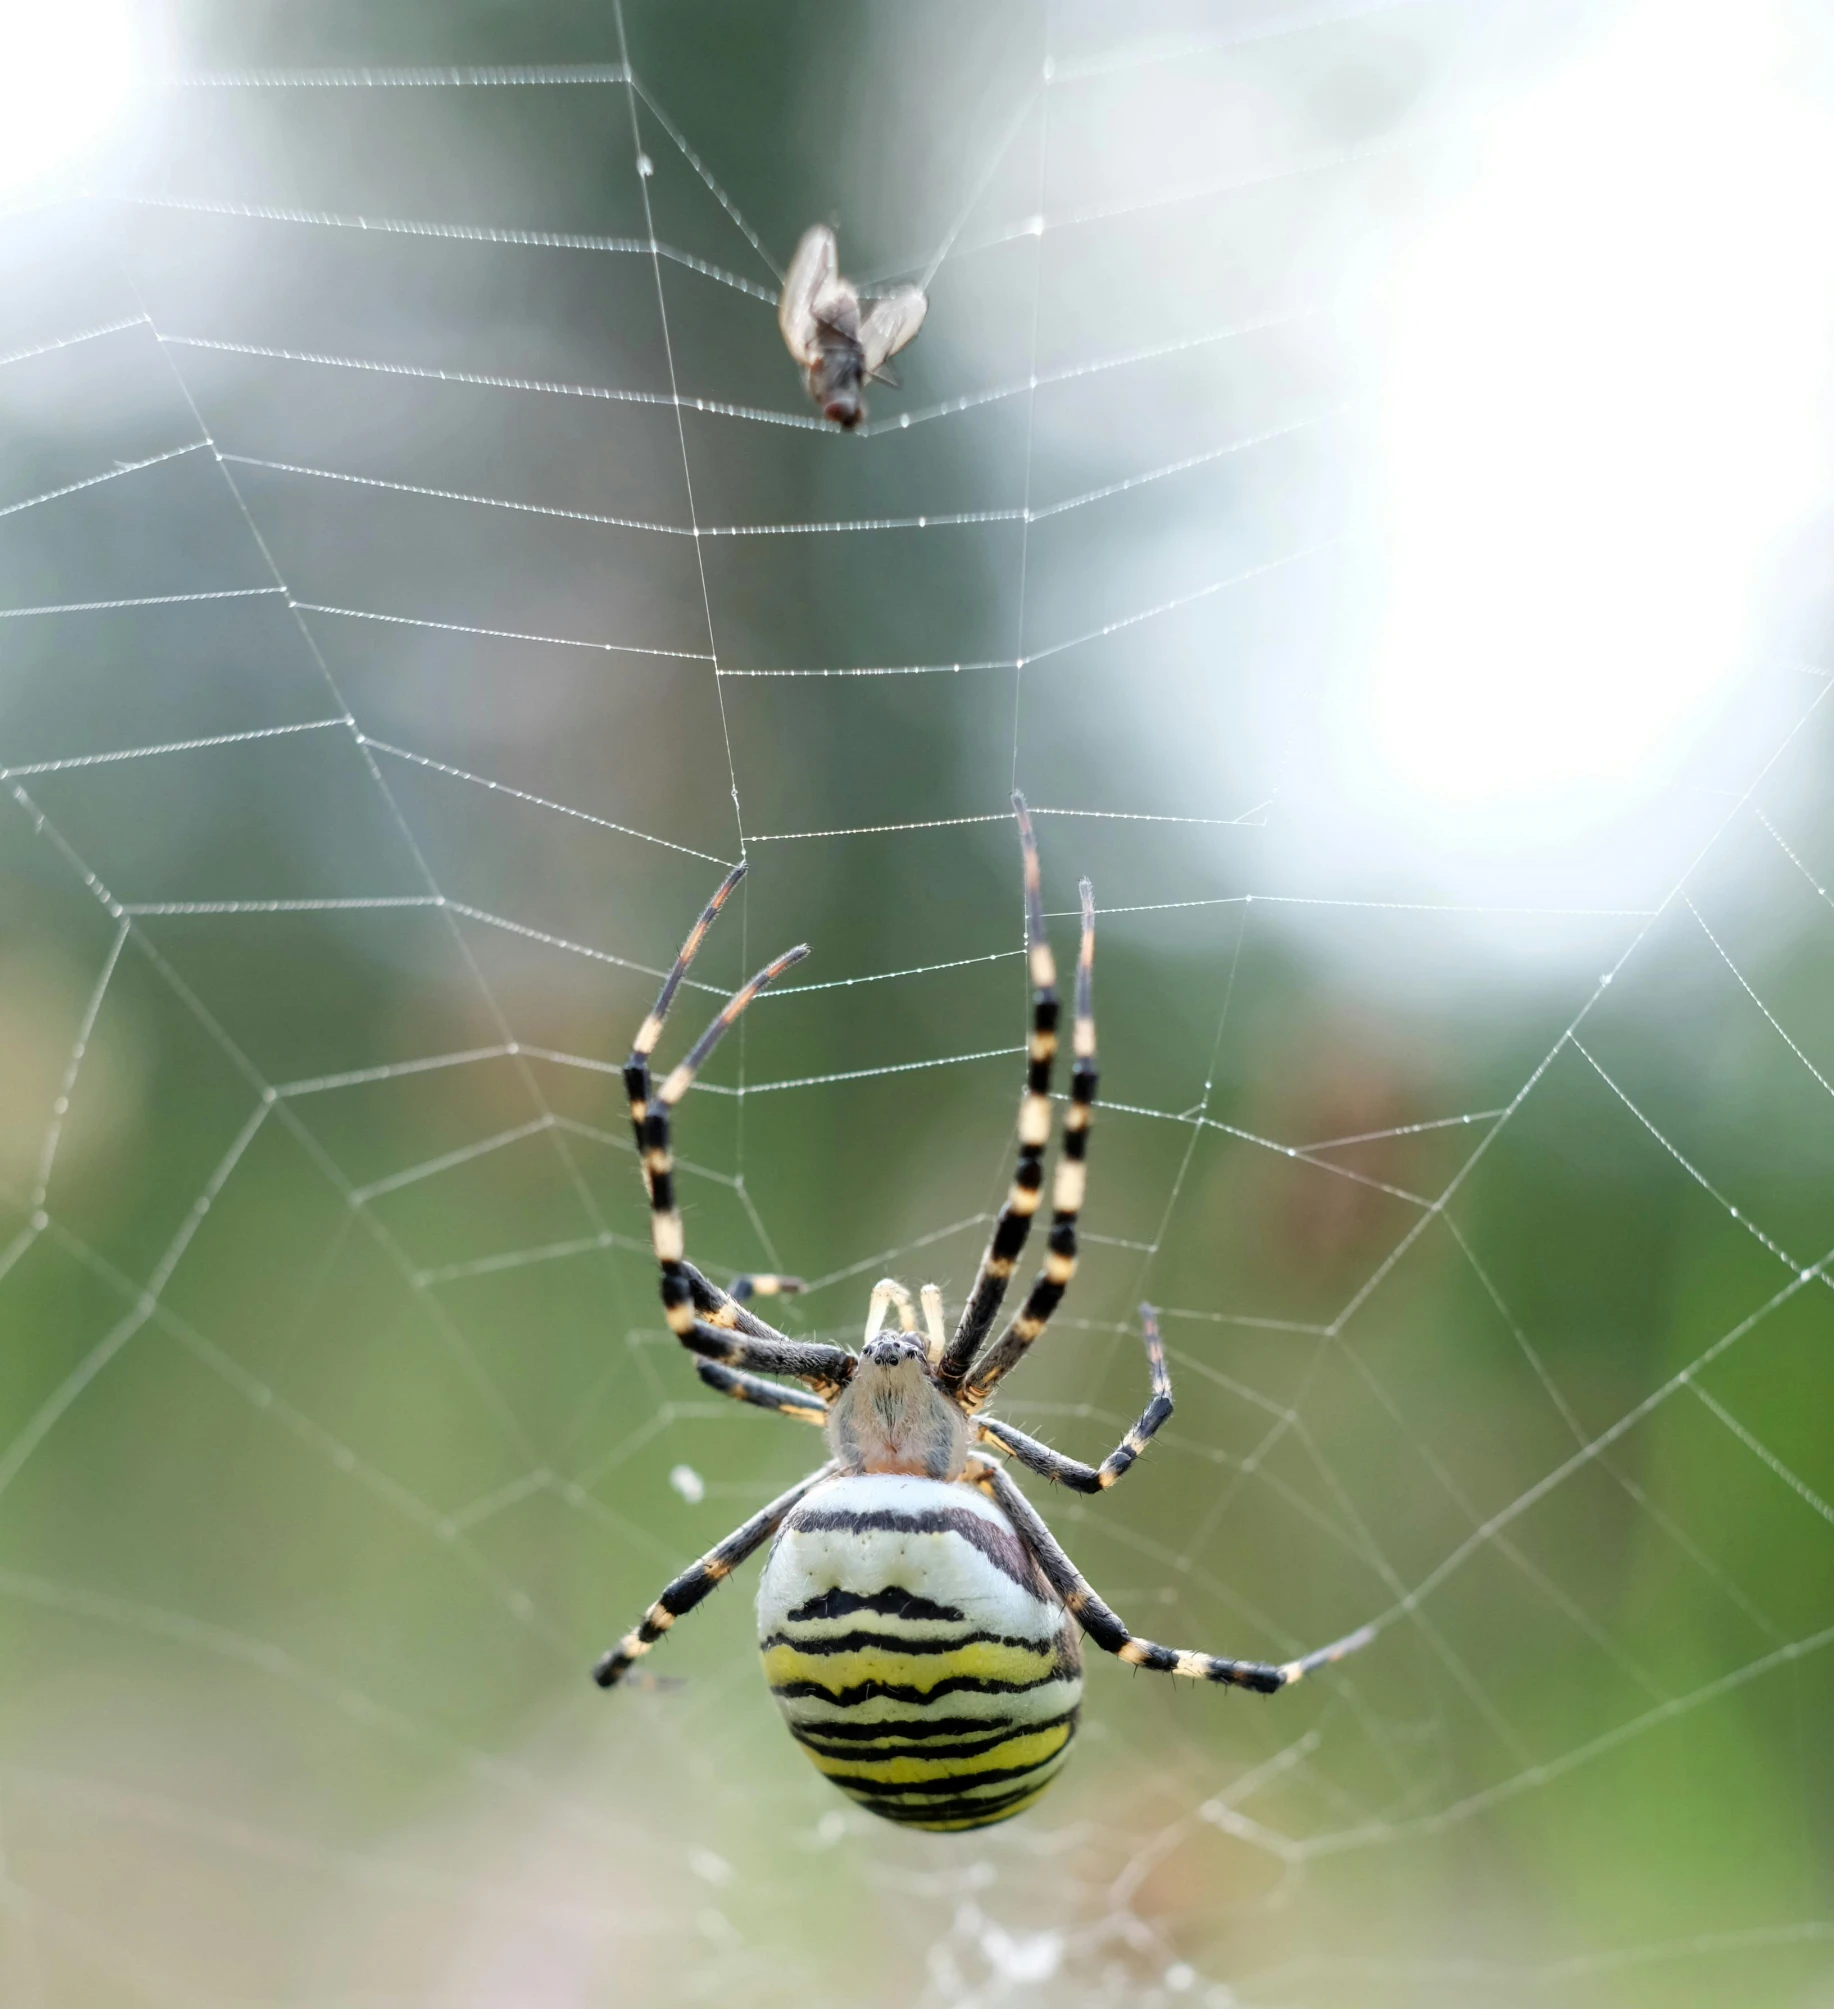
421 578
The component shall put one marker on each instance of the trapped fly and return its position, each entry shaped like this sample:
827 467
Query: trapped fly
839 340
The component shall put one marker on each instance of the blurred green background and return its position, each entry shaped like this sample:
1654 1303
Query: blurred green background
339 1431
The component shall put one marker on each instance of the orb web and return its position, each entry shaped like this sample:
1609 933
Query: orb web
421 580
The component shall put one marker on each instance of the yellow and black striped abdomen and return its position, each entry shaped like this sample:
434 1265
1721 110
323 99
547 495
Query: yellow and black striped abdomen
915 1651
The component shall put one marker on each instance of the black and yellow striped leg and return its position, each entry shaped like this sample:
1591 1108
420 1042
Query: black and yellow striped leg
719 1307
1105 1628
827 1369
707 1575
762 1284
701 1316
722 1328
1015 1221
719 1330
1067 1191
761 1394
1071 1472
658 1165
637 1067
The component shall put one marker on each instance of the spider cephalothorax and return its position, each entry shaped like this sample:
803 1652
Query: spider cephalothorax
893 1415
919 1622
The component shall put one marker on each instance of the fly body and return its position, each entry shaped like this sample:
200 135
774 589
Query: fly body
840 340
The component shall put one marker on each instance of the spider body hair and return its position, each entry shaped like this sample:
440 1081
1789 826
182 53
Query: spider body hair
892 1416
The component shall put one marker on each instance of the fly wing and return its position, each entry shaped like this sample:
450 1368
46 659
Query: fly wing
813 293
888 323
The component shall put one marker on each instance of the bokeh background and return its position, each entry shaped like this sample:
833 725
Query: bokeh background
1365 475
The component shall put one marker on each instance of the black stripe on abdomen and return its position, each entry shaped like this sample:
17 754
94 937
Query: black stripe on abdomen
868 1691
900 1642
926 1793
999 1545
816 1737
889 1603
965 1810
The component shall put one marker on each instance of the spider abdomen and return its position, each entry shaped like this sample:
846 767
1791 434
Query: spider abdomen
916 1652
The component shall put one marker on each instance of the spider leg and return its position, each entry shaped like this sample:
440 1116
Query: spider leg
1071 1472
888 1291
763 1284
1015 1221
1106 1629
1067 1191
708 1574
717 1307
761 1394
637 1067
930 1297
719 1328
827 1369
726 1333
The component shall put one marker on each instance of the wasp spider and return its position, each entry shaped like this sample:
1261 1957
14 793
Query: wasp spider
919 1622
